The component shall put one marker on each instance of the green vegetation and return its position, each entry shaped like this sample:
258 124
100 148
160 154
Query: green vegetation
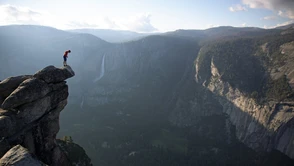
170 140
75 153
278 89
149 139
67 139
243 64
235 62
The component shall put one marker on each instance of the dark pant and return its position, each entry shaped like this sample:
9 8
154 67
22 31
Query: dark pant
64 62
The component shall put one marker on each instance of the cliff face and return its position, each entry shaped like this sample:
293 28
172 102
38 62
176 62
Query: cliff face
265 125
29 117
119 73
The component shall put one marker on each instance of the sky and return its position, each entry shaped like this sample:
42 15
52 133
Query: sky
147 15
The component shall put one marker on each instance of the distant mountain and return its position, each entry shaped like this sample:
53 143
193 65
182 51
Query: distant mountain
290 26
113 36
222 32
38 46
31 31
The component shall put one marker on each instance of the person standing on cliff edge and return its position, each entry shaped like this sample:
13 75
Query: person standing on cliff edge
65 57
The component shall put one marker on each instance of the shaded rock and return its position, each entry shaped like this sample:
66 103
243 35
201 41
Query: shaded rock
5 112
29 143
8 85
52 120
51 127
27 91
7 126
19 156
1 100
57 86
4 146
59 157
285 141
45 132
75 153
52 74
34 110
58 96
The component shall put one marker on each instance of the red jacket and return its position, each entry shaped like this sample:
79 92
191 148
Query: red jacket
65 53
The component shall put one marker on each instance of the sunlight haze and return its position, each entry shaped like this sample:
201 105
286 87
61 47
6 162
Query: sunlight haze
147 16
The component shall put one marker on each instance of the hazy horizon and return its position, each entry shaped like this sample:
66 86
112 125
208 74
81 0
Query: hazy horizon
72 29
147 16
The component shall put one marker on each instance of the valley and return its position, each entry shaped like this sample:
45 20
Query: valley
206 97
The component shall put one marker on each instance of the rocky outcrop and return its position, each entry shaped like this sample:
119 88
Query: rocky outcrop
262 127
29 117
20 156
8 85
75 153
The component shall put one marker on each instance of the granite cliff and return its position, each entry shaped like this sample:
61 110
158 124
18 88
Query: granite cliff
29 118
254 86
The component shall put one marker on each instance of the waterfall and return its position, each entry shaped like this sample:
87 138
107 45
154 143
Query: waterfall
102 70
82 103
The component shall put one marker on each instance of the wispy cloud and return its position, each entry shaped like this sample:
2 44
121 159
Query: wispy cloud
212 26
279 25
111 24
140 23
21 15
12 14
101 23
81 24
237 8
284 8
269 18
284 23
